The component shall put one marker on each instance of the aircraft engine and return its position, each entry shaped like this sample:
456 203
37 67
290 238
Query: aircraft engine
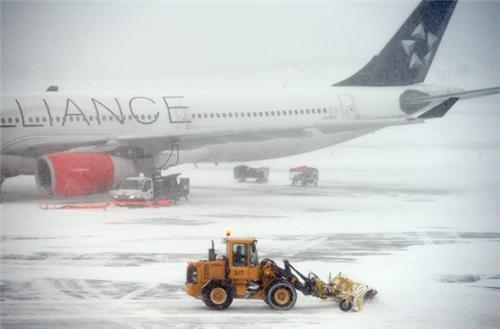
75 173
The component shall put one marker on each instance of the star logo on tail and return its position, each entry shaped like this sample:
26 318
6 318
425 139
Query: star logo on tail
419 47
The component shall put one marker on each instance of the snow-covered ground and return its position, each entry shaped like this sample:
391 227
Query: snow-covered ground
411 211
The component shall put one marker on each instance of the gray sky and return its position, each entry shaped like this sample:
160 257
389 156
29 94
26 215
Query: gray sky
127 45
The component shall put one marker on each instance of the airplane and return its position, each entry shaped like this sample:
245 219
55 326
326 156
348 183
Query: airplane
77 144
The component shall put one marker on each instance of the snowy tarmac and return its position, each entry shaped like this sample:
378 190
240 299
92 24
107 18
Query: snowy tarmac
413 212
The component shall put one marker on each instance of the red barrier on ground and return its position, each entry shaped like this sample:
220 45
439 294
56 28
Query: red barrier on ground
143 204
45 205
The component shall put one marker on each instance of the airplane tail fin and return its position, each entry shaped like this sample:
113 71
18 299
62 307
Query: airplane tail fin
406 59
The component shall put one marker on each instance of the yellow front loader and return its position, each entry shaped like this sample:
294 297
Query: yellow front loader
239 274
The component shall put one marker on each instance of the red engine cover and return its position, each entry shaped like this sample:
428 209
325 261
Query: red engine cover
75 173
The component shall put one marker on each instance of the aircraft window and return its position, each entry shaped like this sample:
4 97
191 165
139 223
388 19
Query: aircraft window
143 116
199 115
249 114
77 118
111 117
104 118
193 116
296 112
307 111
9 120
313 111
3 120
37 119
235 115
17 120
150 117
324 110
284 112
58 119
278 112
130 117
91 118
290 112
223 115
205 115
211 115
218 115
230 115
267 113
272 113
254 114
71 119
301 111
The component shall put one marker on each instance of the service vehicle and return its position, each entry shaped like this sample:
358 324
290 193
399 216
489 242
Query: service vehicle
239 274
242 173
304 175
143 188
134 188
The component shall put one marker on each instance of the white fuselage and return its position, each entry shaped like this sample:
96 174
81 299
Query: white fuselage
94 117
231 125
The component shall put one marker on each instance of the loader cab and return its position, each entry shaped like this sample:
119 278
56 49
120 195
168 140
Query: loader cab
243 258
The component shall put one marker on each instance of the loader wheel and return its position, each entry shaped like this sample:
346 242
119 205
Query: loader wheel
281 295
345 305
217 296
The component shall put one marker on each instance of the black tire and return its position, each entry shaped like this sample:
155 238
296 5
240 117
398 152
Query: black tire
280 295
218 295
345 305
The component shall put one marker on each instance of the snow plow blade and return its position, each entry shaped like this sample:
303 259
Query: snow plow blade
348 293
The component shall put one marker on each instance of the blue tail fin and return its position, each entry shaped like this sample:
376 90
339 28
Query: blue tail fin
406 59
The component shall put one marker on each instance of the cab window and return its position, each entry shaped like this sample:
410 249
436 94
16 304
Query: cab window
254 259
147 186
240 254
